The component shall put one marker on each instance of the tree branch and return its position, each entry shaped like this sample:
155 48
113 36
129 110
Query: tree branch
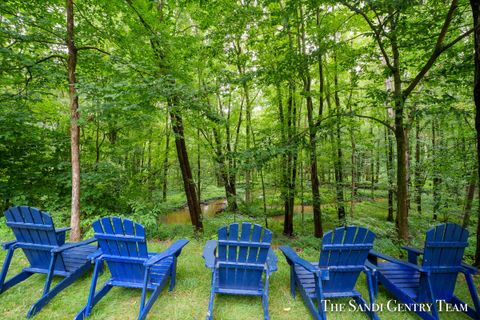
374 29
439 48
93 48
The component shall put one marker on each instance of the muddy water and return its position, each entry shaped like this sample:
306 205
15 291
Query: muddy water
209 209
182 216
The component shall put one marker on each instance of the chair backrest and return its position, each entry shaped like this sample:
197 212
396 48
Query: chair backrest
35 232
345 250
119 239
443 253
241 256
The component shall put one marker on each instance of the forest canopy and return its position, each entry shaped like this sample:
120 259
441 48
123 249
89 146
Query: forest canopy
141 106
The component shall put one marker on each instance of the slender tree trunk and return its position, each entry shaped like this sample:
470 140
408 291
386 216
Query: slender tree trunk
436 172
418 168
315 184
390 173
339 156
199 172
475 4
469 195
188 182
353 171
402 145
75 234
165 161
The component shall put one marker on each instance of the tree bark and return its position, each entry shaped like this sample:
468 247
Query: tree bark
418 168
390 173
436 171
165 161
338 164
188 182
75 234
469 195
475 4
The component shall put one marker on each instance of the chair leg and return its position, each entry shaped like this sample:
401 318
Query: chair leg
460 305
371 294
365 306
4 285
94 300
293 283
51 271
145 308
266 316
212 297
173 273
432 298
37 306
473 293
6 265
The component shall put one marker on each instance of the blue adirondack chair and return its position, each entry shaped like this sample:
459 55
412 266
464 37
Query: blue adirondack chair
435 278
238 262
46 251
342 258
123 246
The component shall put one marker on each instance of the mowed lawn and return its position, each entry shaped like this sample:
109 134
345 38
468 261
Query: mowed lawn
189 300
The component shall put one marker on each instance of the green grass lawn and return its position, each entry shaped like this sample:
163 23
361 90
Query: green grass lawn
189 299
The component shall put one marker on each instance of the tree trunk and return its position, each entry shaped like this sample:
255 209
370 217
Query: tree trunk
338 164
418 168
475 4
436 172
390 175
188 182
75 234
199 172
402 146
469 194
165 161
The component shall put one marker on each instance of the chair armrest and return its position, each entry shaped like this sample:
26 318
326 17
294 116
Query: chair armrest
209 253
72 245
469 269
271 261
394 260
174 250
292 257
65 229
95 255
413 253
370 266
8 244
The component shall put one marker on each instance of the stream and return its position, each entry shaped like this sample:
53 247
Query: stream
212 207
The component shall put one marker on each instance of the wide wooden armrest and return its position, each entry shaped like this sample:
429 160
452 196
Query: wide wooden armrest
72 245
65 229
413 250
395 260
174 250
209 253
94 256
413 254
293 258
8 244
370 266
272 261
469 268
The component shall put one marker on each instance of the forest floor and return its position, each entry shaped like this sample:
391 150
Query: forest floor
189 300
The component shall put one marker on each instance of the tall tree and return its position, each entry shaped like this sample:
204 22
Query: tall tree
384 19
75 233
475 4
